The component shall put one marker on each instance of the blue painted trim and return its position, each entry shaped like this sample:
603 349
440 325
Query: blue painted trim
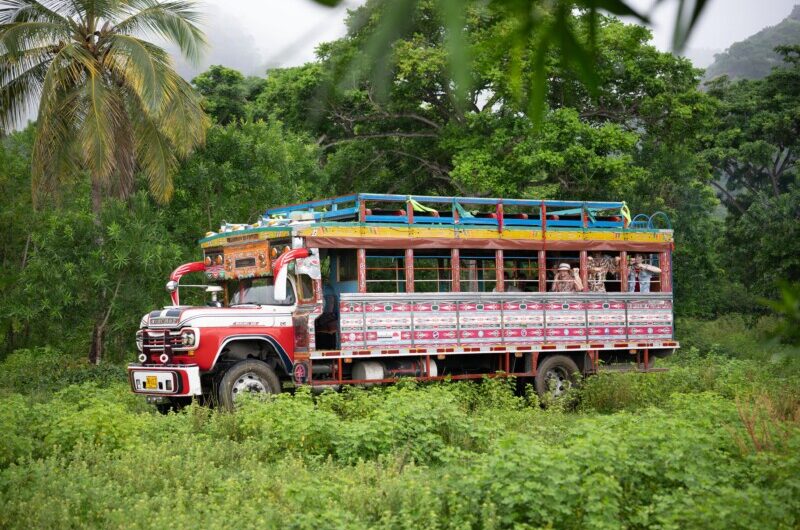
388 218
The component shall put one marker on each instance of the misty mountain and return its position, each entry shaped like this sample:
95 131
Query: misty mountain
755 57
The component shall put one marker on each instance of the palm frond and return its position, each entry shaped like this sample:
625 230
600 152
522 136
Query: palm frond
155 156
176 21
143 66
124 155
34 11
55 156
20 87
103 112
16 37
182 119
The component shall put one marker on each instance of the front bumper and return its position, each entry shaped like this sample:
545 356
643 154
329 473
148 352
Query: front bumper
165 380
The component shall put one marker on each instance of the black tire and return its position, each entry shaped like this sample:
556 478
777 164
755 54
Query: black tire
247 376
561 370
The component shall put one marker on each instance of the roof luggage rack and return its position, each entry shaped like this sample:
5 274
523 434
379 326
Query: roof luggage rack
462 211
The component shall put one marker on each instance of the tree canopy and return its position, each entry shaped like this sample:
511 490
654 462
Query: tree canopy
109 102
721 162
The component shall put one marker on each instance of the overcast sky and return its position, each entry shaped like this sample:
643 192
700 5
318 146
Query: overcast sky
251 35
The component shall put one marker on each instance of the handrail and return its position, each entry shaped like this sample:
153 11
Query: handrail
658 215
449 211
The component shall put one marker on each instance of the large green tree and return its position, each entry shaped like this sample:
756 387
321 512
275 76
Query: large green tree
636 136
755 156
109 101
226 93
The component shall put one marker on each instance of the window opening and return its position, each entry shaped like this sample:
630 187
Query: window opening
521 270
385 271
603 272
644 273
478 271
563 271
432 271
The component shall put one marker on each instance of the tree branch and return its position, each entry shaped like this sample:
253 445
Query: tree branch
427 163
730 197
379 135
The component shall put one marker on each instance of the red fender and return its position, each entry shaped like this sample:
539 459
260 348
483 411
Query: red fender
184 269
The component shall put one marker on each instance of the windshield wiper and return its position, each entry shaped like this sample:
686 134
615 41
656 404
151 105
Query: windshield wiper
245 303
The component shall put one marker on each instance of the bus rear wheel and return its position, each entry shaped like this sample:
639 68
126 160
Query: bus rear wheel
555 375
247 377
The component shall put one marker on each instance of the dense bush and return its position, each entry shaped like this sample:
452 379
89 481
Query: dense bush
45 370
701 446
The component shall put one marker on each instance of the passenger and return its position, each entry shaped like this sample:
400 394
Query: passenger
566 280
601 265
512 287
524 283
507 285
641 271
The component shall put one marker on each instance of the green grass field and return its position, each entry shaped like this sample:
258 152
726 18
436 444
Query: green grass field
712 443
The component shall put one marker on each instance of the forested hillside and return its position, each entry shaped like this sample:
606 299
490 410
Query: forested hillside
755 57
647 136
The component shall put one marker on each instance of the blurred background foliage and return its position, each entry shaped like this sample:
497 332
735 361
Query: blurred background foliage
635 125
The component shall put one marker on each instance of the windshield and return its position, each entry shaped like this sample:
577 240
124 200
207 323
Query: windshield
259 291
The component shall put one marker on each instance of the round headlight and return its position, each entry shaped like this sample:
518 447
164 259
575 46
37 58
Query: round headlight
187 338
164 358
142 358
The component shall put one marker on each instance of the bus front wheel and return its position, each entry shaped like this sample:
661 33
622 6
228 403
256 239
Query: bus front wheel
247 377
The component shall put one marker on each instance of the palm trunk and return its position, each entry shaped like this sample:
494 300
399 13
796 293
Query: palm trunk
96 349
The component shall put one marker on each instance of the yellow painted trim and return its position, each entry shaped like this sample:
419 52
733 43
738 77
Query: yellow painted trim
234 238
400 232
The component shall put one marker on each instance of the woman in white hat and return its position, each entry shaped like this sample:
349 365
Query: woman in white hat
566 280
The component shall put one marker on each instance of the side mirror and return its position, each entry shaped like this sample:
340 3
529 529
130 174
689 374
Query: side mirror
172 286
214 290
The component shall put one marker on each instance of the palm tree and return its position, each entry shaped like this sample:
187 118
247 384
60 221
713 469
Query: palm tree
110 102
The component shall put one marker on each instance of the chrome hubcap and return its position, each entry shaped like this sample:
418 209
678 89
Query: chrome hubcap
557 381
248 383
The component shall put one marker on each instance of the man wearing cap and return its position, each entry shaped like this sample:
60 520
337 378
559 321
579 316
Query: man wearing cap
566 280
641 273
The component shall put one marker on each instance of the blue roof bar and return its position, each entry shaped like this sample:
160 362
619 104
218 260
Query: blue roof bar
431 199
305 206
579 214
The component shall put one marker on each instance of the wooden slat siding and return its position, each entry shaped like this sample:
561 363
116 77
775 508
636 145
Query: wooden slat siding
542 271
584 265
361 265
666 271
498 271
455 268
409 263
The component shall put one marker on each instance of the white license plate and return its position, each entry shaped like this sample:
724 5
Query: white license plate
155 382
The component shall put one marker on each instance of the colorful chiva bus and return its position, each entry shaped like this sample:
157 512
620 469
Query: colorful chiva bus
369 288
